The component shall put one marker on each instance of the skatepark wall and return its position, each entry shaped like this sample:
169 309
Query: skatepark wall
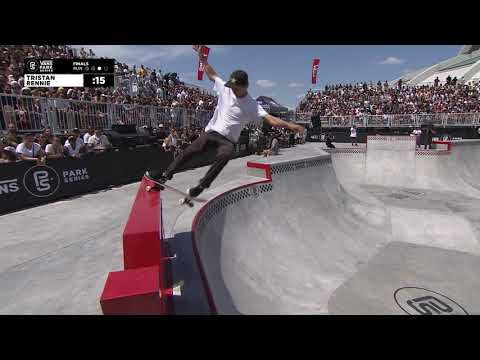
256 260
246 272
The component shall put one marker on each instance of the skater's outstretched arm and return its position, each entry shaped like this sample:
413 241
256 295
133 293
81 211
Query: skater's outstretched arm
277 122
206 66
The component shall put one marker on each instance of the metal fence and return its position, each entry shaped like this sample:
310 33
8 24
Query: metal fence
397 120
34 113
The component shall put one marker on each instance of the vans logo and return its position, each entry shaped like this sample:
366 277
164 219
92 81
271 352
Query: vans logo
9 186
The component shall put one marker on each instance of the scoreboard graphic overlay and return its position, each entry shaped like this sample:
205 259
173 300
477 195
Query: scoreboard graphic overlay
69 72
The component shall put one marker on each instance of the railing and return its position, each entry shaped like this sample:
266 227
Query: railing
397 120
34 113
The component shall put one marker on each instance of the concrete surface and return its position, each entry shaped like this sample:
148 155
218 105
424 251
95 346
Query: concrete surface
55 258
320 238
323 239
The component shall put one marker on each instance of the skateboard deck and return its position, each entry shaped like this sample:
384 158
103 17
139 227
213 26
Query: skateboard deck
186 199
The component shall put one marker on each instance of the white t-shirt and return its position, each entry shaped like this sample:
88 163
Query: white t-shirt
86 137
353 132
23 150
101 141
232 113
73 151
78 143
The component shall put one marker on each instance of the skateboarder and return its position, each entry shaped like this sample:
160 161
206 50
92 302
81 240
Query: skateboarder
235 109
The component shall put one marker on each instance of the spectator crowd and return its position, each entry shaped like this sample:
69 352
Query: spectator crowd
136 86
46 146
382 99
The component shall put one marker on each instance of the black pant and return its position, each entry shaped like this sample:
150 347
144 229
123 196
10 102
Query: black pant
224 153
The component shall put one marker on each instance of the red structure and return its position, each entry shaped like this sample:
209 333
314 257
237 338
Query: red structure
142 287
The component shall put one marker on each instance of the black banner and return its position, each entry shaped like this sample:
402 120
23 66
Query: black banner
26 184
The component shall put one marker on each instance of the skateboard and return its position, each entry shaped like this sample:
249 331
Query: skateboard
186 200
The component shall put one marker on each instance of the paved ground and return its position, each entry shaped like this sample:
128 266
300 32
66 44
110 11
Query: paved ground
55 258
329 237
322 239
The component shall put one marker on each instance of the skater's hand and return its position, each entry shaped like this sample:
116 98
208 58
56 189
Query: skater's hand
297 128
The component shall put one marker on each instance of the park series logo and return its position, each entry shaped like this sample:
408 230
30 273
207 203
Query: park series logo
420 301
44 181
41 181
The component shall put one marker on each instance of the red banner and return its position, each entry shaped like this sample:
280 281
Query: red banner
315 65
205 51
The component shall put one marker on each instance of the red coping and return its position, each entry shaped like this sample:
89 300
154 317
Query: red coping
142 244
448 143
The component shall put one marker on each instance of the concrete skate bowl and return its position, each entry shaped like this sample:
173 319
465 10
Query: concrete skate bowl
301 237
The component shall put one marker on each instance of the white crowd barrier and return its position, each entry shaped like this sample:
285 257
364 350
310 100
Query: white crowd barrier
396 120
35 113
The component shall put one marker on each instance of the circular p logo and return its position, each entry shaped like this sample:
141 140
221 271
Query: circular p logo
420 301
41 181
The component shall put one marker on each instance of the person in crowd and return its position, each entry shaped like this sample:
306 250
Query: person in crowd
12 137
88 134
99 142
274 146
79 147
328 140
55 150
172 142
43 140
7 152
417 133
291 139
430 132
29 150
73 148
353 135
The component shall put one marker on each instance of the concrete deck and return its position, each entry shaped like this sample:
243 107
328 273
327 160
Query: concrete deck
318 237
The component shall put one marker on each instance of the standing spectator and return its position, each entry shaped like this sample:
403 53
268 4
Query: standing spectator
430 132
417 133
353 135
171 143
436 81
328 140
12 137
29 150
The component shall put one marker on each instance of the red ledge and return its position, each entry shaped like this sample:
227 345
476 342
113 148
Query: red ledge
142 242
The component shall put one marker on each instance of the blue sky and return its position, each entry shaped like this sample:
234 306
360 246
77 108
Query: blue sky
283 72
